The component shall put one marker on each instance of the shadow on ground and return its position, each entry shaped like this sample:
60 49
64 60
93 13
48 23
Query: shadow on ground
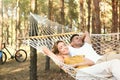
13 70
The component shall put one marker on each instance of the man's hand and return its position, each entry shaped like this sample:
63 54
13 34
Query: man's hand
87 37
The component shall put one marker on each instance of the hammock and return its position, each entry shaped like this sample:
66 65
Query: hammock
45 32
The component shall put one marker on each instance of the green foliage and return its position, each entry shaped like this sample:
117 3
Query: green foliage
24 6
8 3
71 9
72 12
42 6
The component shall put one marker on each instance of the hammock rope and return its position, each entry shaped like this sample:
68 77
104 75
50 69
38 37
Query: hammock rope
49 32
102 43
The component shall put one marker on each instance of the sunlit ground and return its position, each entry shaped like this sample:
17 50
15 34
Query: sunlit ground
13 70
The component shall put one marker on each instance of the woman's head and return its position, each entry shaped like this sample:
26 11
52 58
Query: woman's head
60 48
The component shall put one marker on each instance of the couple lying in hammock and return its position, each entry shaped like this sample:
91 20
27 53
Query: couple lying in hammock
80 54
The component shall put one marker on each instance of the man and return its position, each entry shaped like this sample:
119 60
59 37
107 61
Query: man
81 45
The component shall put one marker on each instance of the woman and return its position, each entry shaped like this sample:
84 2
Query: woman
60 51
104 69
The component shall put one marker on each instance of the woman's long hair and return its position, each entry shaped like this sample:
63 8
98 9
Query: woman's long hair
55 47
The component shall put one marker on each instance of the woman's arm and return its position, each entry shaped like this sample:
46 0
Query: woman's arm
51 54
87 62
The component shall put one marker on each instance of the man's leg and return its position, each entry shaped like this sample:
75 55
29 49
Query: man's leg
108 57
104 69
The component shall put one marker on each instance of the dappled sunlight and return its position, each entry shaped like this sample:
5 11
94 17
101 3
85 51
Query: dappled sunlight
10 70
13 70
17 70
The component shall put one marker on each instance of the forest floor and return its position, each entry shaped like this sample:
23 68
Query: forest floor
13 70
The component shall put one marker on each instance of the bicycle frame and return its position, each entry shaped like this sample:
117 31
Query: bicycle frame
8 51
4 47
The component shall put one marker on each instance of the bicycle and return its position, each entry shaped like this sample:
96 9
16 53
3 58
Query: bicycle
20 55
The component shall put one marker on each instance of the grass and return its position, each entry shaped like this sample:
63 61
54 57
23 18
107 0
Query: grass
13 70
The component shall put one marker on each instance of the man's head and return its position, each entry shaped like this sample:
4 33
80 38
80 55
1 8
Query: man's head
76 41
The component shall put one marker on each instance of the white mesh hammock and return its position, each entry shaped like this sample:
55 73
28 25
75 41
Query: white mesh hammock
44 32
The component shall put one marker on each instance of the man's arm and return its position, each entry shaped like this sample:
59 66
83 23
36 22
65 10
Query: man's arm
86 37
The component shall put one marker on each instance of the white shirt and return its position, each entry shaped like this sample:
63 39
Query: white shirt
86 50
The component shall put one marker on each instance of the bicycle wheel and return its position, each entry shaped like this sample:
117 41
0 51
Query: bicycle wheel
20 55
3 57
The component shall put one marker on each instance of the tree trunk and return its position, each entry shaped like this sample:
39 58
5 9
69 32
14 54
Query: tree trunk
50 10
96 16
1 23
96 25
119 15
62 18
89 13
70 13
114 21
33 64
17 29
93 22
82 22
114 16
62 14
33 51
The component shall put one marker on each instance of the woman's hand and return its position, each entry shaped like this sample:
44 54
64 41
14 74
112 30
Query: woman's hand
74 65
46 50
